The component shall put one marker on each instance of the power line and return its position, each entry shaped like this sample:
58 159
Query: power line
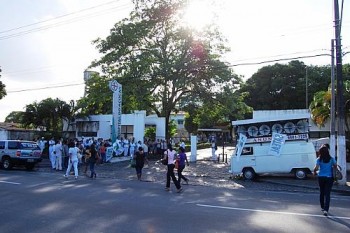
79 18
58 17
47 87
276 60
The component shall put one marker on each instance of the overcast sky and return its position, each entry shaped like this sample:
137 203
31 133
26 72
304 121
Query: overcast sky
45 46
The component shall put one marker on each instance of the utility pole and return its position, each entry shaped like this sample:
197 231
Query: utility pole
332 138
341 147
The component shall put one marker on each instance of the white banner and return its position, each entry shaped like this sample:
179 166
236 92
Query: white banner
240 144
277 143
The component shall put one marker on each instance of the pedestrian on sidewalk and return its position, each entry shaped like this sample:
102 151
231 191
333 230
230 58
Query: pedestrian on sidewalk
325 165
170 153
182 163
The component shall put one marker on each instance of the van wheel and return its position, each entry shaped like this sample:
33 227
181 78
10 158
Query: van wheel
249 173
6 163
300 174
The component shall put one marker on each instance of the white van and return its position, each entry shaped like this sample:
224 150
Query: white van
296 157
273 143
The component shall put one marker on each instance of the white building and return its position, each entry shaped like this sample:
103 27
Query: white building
100 126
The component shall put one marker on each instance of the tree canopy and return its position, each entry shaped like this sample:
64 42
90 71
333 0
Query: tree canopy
2 88
283 86
48 113
160 62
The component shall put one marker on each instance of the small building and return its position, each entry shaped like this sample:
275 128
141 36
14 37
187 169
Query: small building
100 126
11 131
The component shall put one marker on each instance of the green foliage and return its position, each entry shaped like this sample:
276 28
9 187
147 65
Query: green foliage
281 86
48 113
172 128
150 132
14 117
2 88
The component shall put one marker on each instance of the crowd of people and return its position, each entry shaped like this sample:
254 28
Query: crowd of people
68 154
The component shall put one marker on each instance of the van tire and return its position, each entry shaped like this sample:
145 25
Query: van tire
300 174
249 173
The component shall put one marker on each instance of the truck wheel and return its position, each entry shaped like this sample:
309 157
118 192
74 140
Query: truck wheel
249 173
300 174
6 163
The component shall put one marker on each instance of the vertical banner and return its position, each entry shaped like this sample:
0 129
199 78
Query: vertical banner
116 88
240 144
277 144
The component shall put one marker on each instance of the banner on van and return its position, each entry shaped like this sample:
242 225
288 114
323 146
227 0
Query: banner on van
240 144
277 143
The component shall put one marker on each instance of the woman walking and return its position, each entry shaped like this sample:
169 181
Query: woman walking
325 164
182 163
170 153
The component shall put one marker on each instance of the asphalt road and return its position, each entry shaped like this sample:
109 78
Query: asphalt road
46 202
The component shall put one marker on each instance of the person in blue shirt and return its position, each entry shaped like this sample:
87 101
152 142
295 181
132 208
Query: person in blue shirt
325 165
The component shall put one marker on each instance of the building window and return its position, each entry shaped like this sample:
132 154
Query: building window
127 131
180 122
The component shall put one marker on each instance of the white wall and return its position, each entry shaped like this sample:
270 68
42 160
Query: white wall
138 119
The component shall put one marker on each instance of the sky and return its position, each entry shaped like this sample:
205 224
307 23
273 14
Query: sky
45 46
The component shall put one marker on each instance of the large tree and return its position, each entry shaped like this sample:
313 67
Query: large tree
283 86
159 61
2 88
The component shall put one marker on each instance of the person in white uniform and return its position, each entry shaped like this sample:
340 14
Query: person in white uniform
132 147
42 143
126 146
58 154
73 159
51 154
213 149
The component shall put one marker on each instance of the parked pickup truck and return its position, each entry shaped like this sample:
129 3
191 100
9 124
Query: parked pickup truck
18 152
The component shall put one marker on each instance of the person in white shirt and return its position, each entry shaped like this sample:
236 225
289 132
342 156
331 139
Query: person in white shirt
132 147
213 149
42 143
126 146
73 159
51 154
58 155
182 144
170 154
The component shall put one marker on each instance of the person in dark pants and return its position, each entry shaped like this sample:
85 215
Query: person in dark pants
92 160
325 164
170 153
139 156
182 163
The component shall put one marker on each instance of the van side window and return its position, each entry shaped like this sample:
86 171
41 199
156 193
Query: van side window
12 145
247 151
2 145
